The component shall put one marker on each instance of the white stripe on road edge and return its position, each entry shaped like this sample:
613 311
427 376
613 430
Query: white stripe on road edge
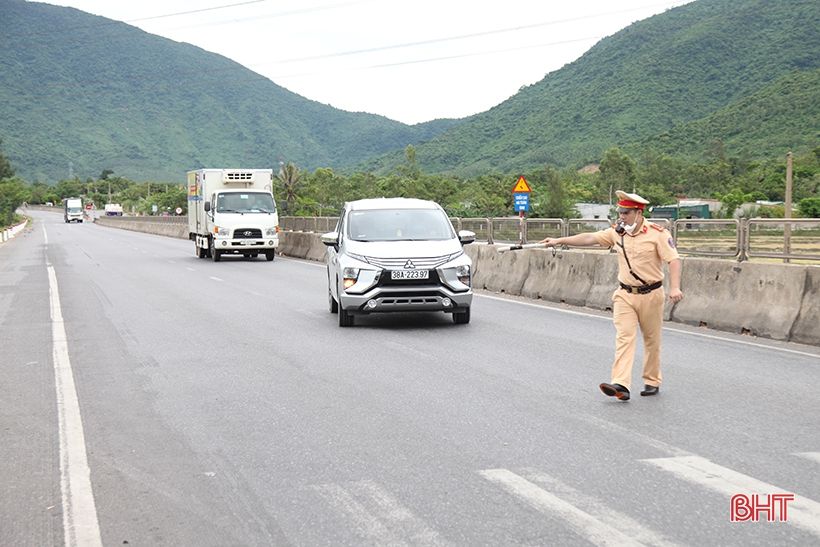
215 278
384 521
670 329
802 512
581 522
609 318
813 456
79 512
45 234
593 506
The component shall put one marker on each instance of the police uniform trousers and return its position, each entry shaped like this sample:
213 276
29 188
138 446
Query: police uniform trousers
631 311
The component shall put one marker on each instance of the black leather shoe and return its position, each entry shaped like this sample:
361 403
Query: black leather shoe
650 390
615 390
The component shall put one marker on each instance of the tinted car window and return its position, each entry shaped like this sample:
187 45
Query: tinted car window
399 225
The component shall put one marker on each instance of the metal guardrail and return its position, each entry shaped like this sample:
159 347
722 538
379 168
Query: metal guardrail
786 239
789 236
701 229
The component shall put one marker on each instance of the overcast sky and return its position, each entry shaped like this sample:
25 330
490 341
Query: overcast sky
411 61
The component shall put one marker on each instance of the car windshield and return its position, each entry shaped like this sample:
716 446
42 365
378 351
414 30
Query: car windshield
399 225
245 202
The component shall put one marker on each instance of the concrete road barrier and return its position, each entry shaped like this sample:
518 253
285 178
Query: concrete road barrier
759 299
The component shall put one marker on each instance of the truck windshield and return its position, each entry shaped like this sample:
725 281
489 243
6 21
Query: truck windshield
245 202
399 225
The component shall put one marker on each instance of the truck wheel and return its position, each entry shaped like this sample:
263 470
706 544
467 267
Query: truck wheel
345 319
461 318
270 255
200 252
215 255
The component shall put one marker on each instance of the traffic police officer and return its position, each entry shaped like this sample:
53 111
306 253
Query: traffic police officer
642 248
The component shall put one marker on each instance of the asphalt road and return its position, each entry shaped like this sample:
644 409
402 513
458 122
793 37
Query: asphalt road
221 404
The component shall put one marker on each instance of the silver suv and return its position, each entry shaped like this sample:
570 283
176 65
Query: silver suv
397 254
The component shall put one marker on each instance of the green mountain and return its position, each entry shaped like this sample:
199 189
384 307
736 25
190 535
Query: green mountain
86 93
677 67
784 115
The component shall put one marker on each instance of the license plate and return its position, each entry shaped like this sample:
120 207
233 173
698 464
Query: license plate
245 242
410 274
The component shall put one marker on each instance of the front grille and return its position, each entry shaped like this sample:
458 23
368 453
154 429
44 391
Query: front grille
421 263
247 233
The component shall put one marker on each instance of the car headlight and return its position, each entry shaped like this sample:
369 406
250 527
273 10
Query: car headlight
463 274
350 275
222 231
272 231
456 277
359 280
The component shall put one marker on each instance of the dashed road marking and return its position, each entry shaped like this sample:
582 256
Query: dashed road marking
802 512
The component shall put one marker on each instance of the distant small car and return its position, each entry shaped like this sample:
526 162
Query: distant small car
397 254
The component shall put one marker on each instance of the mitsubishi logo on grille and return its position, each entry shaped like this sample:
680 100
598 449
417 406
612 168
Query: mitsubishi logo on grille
247 233
409 265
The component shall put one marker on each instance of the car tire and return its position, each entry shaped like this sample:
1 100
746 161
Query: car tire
200 252
270 255
332 305
345 318
461 317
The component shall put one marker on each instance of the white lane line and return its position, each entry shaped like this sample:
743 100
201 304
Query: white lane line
190 269
45 234
744 342
215 278
581 522
593 506
802 512
366 524
813 456
80 523
609 318
379 516
669 329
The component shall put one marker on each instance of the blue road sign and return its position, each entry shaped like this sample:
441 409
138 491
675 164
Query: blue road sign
521 202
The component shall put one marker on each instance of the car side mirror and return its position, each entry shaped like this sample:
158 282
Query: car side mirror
207 206
331 239
466 236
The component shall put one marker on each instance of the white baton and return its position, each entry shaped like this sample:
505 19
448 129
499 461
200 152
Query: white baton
506 248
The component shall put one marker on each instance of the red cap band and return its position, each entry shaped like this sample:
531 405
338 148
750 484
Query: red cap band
629 204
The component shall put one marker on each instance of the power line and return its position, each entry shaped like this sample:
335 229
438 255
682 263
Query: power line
464 36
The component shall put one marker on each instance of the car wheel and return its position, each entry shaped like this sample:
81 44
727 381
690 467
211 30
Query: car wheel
345 318
200 252
461 318
332 305
270 255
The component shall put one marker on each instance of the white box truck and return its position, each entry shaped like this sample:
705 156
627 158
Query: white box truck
73 210
232 211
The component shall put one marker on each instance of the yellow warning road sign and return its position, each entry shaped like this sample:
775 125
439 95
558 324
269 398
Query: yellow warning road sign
521 186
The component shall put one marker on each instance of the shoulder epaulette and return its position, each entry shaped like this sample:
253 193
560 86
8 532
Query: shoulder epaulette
657 227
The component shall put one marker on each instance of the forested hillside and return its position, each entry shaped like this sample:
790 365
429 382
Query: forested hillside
81 94
677 67
784 115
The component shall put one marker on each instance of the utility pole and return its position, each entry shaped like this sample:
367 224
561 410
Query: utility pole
787 213
109 191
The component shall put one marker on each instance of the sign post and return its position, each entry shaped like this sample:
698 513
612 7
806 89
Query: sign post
521 204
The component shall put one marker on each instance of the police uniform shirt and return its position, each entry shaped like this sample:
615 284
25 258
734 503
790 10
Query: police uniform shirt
647 250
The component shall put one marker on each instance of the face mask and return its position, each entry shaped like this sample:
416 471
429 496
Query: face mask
630 228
